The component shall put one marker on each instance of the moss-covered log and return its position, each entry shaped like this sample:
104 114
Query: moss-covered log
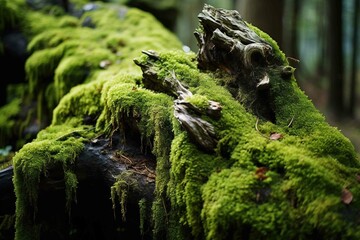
105 168
275 169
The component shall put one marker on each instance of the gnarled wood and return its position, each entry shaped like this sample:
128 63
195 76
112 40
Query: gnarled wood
227 43
189 115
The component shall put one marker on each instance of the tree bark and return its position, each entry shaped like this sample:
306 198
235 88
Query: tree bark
293 49
267 15
336 65
353 75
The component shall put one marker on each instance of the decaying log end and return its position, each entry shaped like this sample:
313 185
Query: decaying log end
189 115
227 43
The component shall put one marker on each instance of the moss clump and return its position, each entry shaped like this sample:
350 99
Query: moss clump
8 114
69 54
199 101
54 146
255 187
11 13
152 114
142 212
66 54
81 104
124 184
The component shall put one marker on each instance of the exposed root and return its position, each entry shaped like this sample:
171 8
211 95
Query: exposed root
291 121
257 129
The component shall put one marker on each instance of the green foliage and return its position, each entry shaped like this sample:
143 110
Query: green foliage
54 146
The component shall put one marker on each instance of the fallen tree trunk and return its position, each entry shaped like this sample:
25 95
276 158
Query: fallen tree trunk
218 145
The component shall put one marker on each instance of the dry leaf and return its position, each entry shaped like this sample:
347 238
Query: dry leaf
260 173
346 196
275 136
358 177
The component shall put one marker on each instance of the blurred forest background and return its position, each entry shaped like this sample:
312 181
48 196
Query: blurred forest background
319 37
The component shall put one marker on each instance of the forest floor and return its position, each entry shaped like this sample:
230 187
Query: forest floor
350 127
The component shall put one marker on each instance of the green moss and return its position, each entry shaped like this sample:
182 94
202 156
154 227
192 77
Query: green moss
8 114
71 183
74 70
142 212
278 53
251 187
160 5
7 223
58 145
40 68
38 22
6 156
83 102
217 194
199 101
11 13
54 37
68 55
124 184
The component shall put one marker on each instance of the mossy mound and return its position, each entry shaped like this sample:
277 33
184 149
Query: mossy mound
55 147
65 51
296 178
77 50
256 186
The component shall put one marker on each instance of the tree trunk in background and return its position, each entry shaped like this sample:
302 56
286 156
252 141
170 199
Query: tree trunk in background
336 65
186 23
188 18
264 14
291 33
321 30
353 76
293 45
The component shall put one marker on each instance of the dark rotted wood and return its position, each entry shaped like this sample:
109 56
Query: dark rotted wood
97 169
7 195
91 215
